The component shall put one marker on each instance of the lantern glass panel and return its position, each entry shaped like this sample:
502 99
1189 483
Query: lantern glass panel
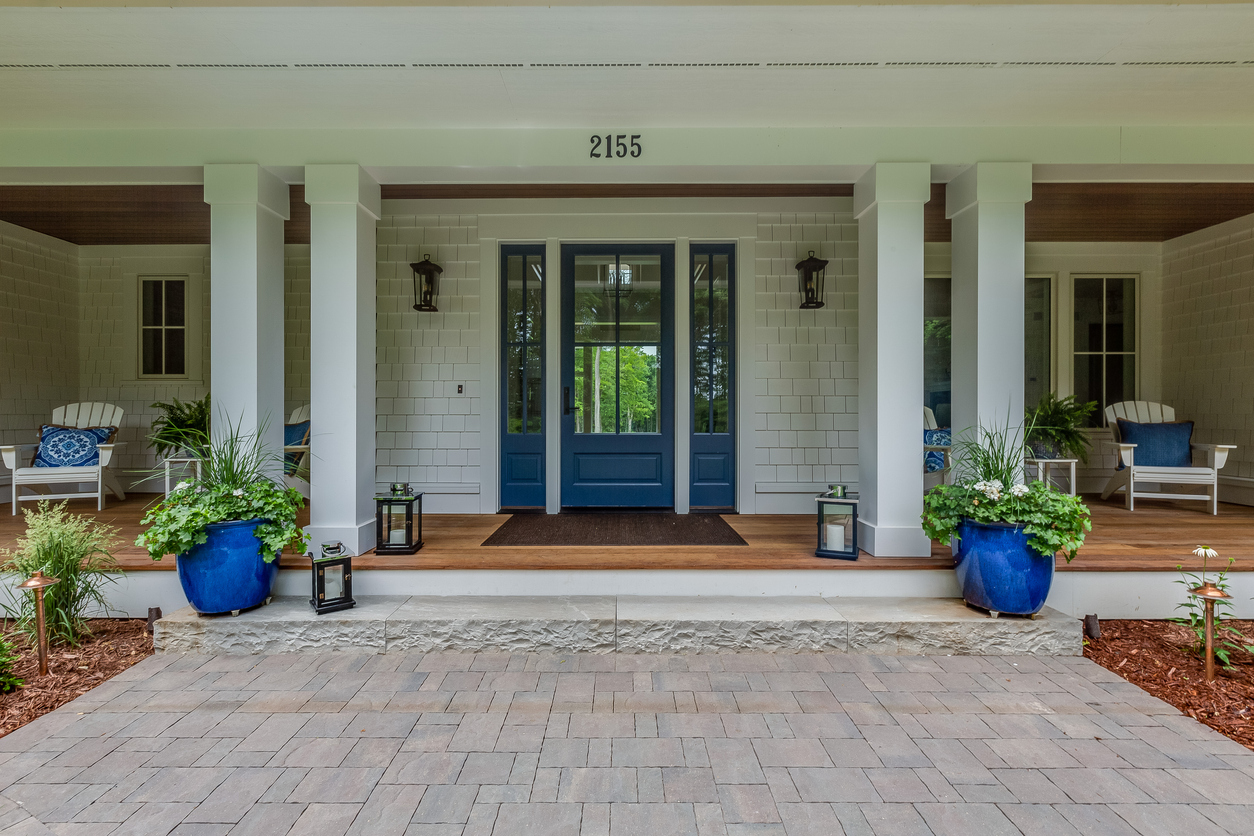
837 528
333 582
394 519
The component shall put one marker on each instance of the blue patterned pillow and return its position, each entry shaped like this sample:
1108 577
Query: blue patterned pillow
1158 445
294 435
69 447
934 460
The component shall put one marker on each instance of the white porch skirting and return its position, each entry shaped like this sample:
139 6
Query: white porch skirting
1109 594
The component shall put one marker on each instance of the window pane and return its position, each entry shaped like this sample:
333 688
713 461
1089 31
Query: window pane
640 312
594 389
535 299
514 389
719 296
174 358
936 347
1036 333
720 378
639 389
1088 385
1088 315
151 302
701 389
1121 315
594 309
174 310
1120 378
150 362
535 390
701 298
515 324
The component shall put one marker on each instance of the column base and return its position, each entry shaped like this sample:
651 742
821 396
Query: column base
357 539
893 541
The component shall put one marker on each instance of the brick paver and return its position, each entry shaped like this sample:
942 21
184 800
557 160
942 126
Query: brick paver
640 745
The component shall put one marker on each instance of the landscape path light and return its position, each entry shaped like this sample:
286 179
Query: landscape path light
1209 593
39 582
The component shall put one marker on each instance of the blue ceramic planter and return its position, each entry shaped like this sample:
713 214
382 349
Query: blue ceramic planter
998 571
226 572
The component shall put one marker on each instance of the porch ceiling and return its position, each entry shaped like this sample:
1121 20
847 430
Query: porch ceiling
83 68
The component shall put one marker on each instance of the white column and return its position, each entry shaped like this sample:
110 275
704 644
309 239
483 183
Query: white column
247 208
888 202
986 203
344 207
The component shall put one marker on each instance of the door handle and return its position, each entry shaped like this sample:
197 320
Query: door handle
565 400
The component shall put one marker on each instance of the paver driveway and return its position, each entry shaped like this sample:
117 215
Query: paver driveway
807 745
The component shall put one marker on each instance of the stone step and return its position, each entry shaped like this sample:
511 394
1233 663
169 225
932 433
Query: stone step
627 624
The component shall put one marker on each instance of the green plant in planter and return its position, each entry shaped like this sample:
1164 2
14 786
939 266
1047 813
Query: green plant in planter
9 681
74 548
179 425
1056 427
239 480
989 488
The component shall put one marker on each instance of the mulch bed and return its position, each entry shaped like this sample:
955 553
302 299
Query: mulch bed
1157 656
116 644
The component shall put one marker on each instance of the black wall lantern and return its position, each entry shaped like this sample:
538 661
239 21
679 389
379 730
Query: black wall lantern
618 281
427 283
332 579
810 274
398 530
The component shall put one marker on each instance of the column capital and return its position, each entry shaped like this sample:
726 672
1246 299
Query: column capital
989 183
892 183
343 184
238 183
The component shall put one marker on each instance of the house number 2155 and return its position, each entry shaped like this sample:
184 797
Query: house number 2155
622 145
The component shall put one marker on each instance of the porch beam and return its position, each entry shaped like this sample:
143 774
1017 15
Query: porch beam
247 208
986 205
344 206
888 202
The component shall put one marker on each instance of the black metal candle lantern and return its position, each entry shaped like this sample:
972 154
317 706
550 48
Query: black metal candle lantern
810 275
332 579
618 281
426 283
398 521
838 525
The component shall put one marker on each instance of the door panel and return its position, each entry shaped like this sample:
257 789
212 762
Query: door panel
522 376
617 375
713 468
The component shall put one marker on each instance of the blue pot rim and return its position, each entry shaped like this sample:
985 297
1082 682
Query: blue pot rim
236 523
1003 526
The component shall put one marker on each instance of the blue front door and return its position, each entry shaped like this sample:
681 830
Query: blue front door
618 417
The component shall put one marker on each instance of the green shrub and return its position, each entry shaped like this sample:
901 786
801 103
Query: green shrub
71 547
180 425
1056 426
8 657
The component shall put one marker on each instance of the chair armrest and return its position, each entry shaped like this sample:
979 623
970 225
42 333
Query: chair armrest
10 453
1125 451
295 448
106 452
1216 454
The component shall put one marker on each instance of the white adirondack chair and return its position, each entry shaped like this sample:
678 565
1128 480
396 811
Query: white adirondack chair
936 477
80 416
300 452
1146 412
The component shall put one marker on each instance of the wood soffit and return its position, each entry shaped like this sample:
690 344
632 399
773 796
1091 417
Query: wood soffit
1111 212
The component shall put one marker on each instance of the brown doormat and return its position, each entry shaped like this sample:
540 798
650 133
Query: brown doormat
615 530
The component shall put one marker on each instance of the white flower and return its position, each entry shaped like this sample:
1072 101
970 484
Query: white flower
237 492
1205 551
1019 490
181 485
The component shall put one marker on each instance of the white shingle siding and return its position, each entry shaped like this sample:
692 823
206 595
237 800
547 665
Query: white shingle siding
806 415
1208 336
427 433
38 339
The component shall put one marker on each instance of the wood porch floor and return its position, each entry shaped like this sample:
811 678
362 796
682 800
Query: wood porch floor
1159 536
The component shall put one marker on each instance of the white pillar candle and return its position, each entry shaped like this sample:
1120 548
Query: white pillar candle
397 535
834 537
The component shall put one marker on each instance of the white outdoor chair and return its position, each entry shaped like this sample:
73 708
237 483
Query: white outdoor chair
936 477
79 416
300 454
1145 412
